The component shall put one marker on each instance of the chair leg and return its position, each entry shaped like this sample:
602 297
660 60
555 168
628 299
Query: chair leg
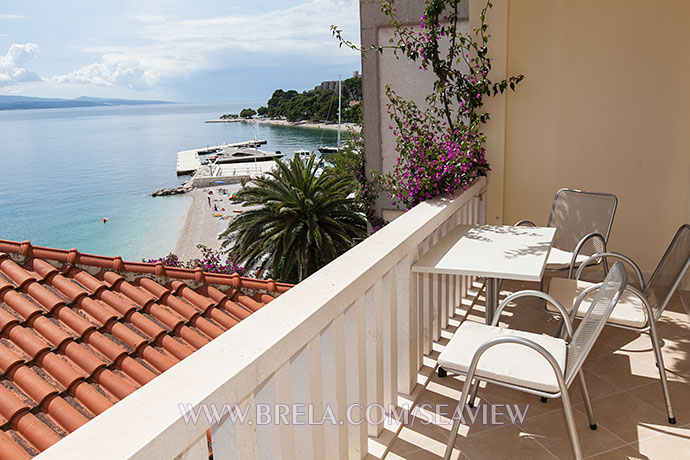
473 393
585 398
662 371
570 421
559 329
459 410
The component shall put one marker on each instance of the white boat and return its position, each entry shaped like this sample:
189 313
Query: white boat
302 153
326 150
243 155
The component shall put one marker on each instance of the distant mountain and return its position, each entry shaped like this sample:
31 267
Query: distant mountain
24 102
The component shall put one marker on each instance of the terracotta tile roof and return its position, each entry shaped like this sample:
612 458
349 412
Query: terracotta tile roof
80 332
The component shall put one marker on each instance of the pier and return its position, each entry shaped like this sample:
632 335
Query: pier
188 161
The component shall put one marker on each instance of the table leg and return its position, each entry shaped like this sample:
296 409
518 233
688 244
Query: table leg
491 298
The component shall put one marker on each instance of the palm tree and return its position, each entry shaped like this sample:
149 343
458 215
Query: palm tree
297 222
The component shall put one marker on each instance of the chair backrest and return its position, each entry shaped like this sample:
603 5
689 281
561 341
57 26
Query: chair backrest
669 273
576 214
594 320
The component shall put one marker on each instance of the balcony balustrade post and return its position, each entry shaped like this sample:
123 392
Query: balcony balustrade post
356 350
235 441
274 436
305 384
444 287
408 324
436 312
197 451
482 208
457 282
389 310
465 221
334 388
373 304
425 302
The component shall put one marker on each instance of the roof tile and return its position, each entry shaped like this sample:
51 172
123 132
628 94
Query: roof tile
14 272
58 368
79 332
9 450
66 415
20 304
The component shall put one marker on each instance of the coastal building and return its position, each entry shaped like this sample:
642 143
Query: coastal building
333 85
79 333
327 86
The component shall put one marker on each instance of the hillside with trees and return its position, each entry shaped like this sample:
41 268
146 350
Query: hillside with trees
316 104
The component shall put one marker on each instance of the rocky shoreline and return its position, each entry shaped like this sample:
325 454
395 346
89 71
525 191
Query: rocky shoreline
171 191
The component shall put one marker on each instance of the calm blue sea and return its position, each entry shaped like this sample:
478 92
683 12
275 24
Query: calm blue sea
63 170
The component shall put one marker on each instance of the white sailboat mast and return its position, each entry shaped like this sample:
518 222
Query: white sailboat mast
340 97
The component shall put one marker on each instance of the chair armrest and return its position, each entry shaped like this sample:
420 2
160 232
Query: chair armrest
541 295
525 222
579 247
615 255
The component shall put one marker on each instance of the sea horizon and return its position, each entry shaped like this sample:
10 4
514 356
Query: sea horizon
67 169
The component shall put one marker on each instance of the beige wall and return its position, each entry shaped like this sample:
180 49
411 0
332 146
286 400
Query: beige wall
605 106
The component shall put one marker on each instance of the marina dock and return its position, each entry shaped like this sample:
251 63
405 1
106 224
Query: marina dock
188 161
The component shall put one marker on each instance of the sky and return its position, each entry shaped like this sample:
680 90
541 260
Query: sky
175 50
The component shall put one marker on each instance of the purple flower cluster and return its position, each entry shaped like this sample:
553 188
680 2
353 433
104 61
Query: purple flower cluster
211 261
432 163
171 260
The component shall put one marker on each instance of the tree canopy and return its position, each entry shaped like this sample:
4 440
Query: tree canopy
297 221
247 113
316 104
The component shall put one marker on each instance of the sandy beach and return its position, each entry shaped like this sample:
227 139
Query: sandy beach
201 226
305 124
300 124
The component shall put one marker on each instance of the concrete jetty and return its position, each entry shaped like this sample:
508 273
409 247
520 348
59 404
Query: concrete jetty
188 161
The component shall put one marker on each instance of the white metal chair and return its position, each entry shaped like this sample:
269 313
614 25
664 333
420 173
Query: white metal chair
583 223
638 310
533 363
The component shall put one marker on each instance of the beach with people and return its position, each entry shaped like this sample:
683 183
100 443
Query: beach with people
210 211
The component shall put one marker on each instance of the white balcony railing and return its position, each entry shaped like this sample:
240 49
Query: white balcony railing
354 333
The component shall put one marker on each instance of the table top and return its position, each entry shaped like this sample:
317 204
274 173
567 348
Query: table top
492 251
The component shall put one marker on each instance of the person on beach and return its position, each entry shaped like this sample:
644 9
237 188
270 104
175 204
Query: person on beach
209 201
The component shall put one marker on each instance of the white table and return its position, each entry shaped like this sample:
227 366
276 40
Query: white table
494 252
